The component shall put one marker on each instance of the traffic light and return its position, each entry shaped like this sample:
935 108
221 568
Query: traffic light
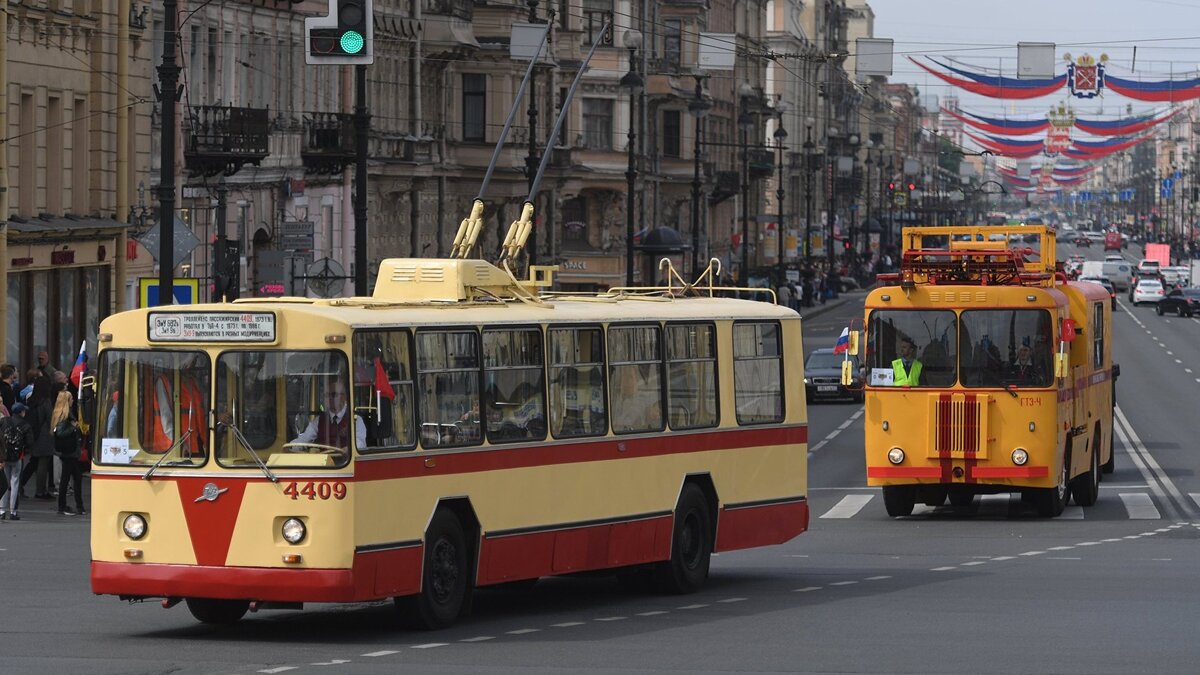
912 186
344 37
226 281
892 186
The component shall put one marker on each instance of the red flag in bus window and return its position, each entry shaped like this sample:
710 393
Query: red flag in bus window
381 381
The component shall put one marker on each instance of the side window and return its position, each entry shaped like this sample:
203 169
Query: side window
691 376
1097 335
448 388
577 406
757 373
383 389
635 379
514 385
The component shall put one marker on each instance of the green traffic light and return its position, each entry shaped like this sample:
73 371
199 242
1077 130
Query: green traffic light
352 42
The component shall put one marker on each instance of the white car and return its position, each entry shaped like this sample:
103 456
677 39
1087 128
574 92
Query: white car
1147 290
1148 267
1113 257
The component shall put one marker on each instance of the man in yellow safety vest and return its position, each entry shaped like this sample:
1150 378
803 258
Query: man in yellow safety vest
906 370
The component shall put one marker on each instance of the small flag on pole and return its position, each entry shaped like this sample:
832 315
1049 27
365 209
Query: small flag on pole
843 342
382 385
80 365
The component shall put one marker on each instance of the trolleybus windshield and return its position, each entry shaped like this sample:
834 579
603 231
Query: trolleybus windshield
1005 347
153 408
914 348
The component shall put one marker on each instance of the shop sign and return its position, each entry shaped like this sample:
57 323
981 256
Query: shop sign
580 265
21 262
62 257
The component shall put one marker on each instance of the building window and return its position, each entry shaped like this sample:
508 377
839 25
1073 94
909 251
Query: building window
595 13
672 43
474 110
597 123
575 221
672 133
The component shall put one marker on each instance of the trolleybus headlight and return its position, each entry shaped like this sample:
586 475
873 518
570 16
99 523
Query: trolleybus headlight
895 455
293 530
134 526
1019 456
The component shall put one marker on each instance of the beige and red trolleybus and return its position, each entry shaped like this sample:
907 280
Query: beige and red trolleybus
453 431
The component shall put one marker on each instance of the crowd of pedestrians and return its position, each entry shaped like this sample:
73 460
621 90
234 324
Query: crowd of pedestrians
40 439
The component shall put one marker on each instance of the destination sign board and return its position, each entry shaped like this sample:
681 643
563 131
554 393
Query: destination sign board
212 327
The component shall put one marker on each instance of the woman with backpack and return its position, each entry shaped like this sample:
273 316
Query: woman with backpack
15 438
67 443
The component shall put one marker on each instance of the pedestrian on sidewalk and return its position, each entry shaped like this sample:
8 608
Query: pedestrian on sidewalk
41 456
16 437
68 440
8 381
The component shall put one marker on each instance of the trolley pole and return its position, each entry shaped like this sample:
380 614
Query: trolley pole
362 122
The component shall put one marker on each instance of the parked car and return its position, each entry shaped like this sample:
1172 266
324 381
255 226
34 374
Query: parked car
1146 290
1183 301
1108 286
823 376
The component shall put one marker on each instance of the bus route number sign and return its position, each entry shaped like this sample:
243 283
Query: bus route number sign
212 327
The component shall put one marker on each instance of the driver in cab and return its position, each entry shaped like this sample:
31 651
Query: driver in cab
331 427
906 370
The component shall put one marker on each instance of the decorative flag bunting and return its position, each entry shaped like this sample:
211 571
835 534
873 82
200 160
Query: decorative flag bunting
1086 77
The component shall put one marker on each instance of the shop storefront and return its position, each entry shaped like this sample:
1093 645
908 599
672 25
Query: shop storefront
589 273
59 274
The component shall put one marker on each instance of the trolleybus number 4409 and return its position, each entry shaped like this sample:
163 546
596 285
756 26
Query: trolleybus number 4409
320 490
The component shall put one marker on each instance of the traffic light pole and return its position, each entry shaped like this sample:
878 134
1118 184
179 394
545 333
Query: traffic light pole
168 75
362 121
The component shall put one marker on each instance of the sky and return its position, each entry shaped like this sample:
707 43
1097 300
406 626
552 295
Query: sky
984 34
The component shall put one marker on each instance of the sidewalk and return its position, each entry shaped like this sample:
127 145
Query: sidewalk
833 303
32 509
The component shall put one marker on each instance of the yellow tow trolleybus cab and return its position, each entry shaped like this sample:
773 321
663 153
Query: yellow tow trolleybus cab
987 372
454 430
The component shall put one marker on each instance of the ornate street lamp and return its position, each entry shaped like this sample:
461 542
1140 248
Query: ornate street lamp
633 82
698 107
810 170
780 136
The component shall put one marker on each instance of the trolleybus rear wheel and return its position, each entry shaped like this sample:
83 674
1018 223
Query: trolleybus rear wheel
214 611
1085 489
899 500
444 577
691 545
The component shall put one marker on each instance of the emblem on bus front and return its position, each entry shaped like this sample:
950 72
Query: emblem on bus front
210 493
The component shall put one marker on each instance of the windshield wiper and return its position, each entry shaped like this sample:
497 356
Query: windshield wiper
167 454
237 434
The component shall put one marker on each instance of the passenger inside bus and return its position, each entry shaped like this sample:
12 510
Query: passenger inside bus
331 427
160 429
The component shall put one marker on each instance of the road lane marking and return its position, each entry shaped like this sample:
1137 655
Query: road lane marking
430 645
524 631
280 669
697 606
879 578
1160 483
848 507
384 652
569 624
833 434
1139 506
653 613
732 600
843 583
1196 498
481 638
943 569
806 589
612 618
973 563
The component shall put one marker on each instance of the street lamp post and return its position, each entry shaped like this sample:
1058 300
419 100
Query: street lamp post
780 137
830 132
745 122
633 82
698 107
870 186
810 169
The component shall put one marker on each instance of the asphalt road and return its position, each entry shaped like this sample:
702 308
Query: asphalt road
1111 589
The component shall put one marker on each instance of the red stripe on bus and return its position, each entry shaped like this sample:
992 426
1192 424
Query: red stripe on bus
591 547
763 525
497 458
904 472
970 437
211 514
1010 471
376 575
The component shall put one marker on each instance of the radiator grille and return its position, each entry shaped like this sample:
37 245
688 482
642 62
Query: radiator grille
959 425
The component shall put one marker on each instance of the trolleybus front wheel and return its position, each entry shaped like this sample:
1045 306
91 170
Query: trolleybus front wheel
1051 501
1085 489
444 577
691 545
899 500
218 612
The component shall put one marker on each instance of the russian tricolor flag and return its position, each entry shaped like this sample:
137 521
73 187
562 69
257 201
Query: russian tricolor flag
843 342
80 364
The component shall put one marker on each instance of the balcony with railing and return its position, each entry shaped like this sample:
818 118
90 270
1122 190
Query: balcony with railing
328 142
223 139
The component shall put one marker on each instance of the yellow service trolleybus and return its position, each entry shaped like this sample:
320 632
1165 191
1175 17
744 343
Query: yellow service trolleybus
454 430
987 372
